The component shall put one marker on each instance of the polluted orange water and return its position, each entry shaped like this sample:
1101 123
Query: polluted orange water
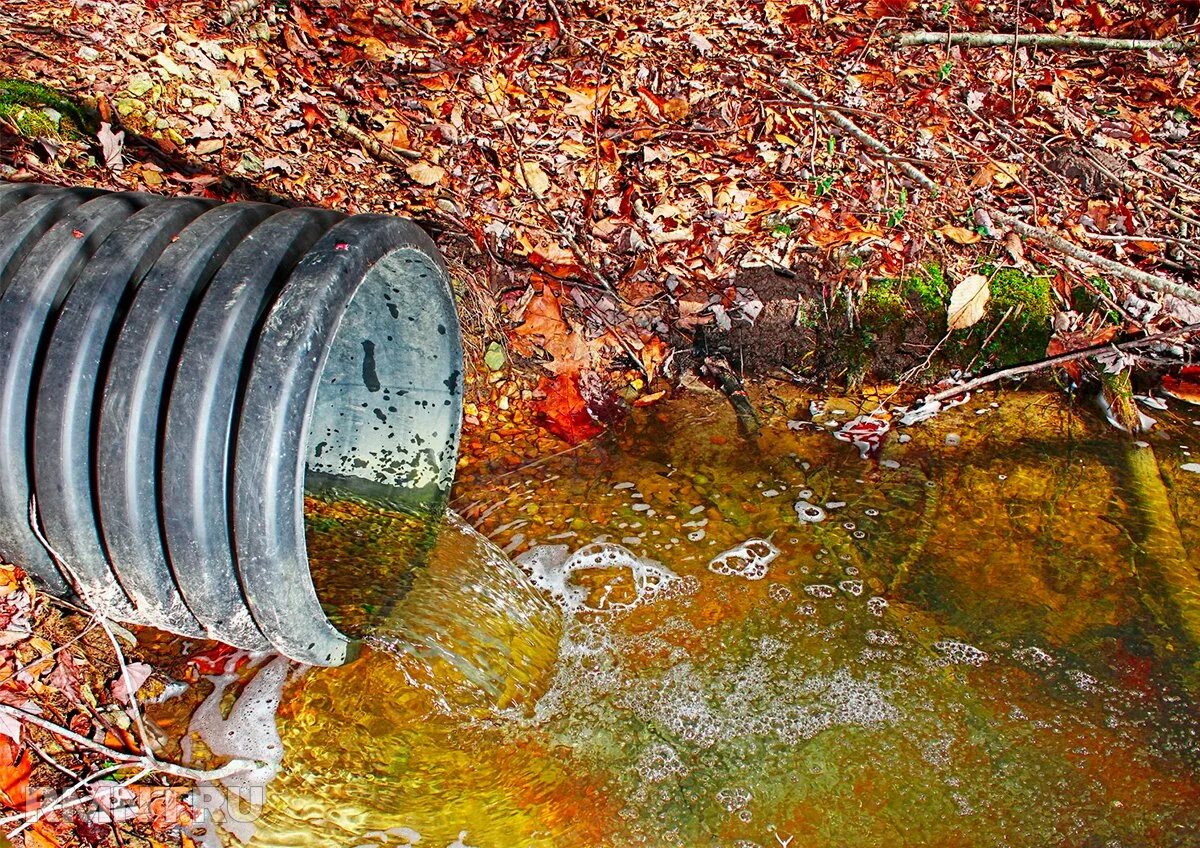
986 636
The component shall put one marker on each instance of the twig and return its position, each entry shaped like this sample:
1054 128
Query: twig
234 766
1083 353
126 680
36 51
748 421
1067 42
400 156
853 129
1127 272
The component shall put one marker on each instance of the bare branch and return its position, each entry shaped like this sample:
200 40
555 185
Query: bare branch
1051 40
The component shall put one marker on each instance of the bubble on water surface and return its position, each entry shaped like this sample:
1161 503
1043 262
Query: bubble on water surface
820 590
658 762
809 513
877 605
554 570
734 798
1033 656
749 560
960 653
882 637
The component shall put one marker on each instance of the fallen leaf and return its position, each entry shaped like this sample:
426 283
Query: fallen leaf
1186 386
960 235
535 178
676 109
563 410
135 674
425 173
967 302
15 766
111 145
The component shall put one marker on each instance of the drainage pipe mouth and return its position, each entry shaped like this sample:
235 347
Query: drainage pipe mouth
181 375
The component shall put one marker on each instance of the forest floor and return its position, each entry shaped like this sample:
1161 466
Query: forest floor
633 197
824 191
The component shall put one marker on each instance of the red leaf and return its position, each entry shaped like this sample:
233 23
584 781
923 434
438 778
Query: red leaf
564 411
15 766
1186 386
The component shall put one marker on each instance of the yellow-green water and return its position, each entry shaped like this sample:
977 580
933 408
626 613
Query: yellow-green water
990 643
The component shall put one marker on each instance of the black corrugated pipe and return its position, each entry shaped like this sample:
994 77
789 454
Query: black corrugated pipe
177 374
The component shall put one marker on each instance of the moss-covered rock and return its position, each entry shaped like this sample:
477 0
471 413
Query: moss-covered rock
998 341
37 111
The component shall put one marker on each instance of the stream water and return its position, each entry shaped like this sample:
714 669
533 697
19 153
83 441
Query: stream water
986 636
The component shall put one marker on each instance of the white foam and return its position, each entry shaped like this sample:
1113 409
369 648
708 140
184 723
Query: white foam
749 560
551 568
809 513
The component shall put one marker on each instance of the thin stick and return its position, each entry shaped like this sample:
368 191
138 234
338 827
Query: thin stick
1083 353
853 129
1127 272
400 156
1067 42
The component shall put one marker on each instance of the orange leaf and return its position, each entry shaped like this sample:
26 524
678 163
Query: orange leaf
15 766
959 235
564 410
1186 386
889 8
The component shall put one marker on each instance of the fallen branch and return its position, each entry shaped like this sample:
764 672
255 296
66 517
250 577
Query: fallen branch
1066 42
400 156
914 173
236 766
1060 359
1067 248
718 369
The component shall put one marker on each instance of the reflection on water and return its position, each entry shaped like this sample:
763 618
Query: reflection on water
986 637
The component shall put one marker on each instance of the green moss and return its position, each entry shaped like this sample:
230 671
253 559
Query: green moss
38 111
1024 335
930 289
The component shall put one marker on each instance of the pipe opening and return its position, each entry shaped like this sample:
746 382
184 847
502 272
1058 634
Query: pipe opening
383 439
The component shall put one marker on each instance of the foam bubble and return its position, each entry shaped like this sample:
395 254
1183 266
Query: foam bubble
552 568
960 653
749 560
809 513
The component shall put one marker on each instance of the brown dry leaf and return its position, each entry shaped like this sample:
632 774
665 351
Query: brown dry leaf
999 174
545 327
960 235
967 302
676 109
425 173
